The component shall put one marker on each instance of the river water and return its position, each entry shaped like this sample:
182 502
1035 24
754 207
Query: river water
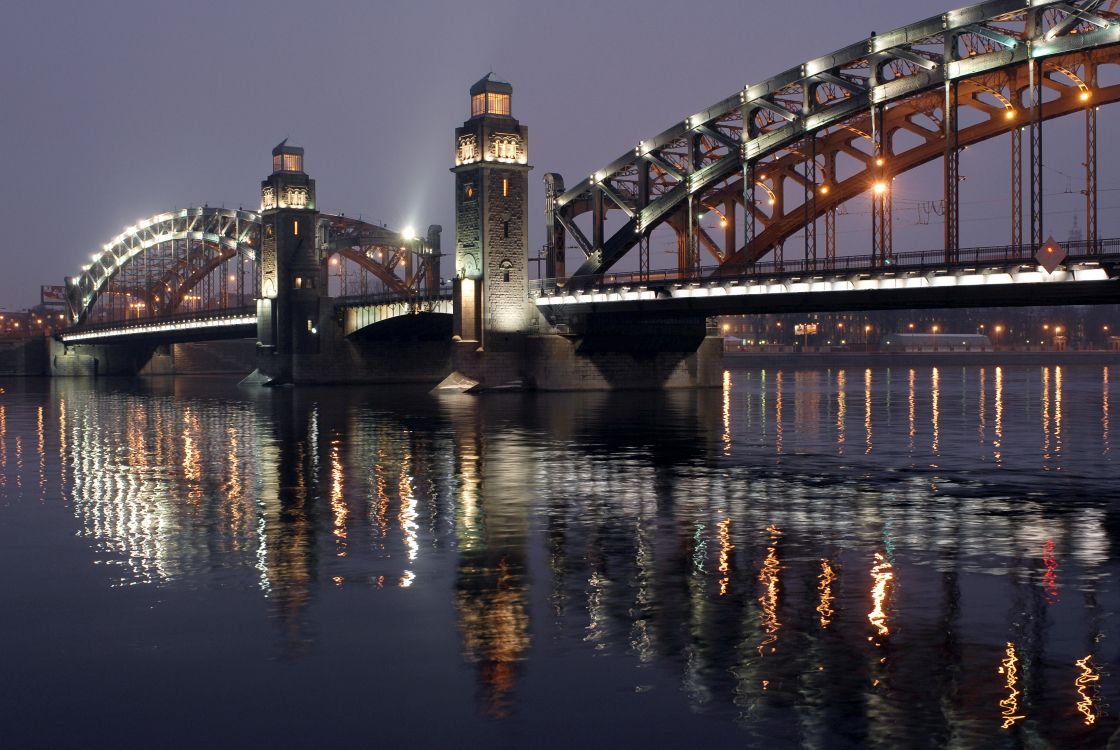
885 558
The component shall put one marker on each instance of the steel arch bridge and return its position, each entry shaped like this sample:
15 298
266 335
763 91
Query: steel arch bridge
775 157
204 261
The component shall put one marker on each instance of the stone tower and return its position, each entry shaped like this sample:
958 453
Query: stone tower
491 219
292 276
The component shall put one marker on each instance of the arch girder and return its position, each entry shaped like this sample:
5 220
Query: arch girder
237 231
883 70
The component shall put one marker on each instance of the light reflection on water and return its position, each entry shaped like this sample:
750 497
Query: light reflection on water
719 550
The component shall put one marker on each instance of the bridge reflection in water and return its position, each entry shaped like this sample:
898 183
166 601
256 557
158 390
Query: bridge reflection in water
865 557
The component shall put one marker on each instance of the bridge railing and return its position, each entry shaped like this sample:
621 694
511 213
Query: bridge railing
186 317
920 261
388 298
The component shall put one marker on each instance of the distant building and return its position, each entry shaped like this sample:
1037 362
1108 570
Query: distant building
936 342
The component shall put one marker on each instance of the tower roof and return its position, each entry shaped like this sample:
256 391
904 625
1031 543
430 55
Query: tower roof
283 148
489 84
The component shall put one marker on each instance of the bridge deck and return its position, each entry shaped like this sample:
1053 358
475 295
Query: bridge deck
978 277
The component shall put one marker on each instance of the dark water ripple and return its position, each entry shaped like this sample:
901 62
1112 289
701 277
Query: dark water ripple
855 558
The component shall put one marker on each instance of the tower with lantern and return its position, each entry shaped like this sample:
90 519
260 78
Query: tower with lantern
491 219
292 277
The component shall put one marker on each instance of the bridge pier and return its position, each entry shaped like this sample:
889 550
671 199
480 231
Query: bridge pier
99 360
497 331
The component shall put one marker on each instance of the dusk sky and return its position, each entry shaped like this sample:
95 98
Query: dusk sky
116 111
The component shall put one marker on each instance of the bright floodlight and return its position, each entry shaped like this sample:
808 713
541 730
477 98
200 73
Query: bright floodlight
409 232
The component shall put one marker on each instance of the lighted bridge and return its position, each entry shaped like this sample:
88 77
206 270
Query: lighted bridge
778 157
194 274
773 162
978 277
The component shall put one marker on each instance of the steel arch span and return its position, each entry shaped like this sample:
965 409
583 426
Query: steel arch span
200 260
828 131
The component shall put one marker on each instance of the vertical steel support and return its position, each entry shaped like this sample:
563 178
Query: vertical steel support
693 201
809 206
643 258
729 229
1091 242
779 256
1037 227
556 238
952 175
881 204
749 204
1017 190
830 238
598 214
682 251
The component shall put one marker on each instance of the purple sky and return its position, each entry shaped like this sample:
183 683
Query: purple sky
115 111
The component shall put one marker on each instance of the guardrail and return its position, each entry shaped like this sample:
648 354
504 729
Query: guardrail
353 300
921 261
199 319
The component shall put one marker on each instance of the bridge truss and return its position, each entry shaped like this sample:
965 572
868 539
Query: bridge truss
198 262
777 157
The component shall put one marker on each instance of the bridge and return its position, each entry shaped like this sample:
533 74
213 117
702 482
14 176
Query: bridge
194 274
775 161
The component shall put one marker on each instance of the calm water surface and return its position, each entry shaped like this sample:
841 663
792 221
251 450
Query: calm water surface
851 558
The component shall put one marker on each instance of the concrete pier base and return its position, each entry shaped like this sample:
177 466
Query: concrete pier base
234 357
567 363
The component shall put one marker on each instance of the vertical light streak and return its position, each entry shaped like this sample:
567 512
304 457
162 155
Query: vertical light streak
725 547
192 459
912 402
824 586
768 576
1009 706
841 410
881 576
338 500
1046 413
1105 440
935 408
982 406
235 492
62 463
19 460
381 512
997 441
727 412
1050 574
867 409
1084 683
42 457
1057 410
779 435
408 514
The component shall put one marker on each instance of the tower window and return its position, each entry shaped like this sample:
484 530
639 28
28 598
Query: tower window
295 227
470 191
478 104
505 187
505 230
292 162
497 104
505 276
